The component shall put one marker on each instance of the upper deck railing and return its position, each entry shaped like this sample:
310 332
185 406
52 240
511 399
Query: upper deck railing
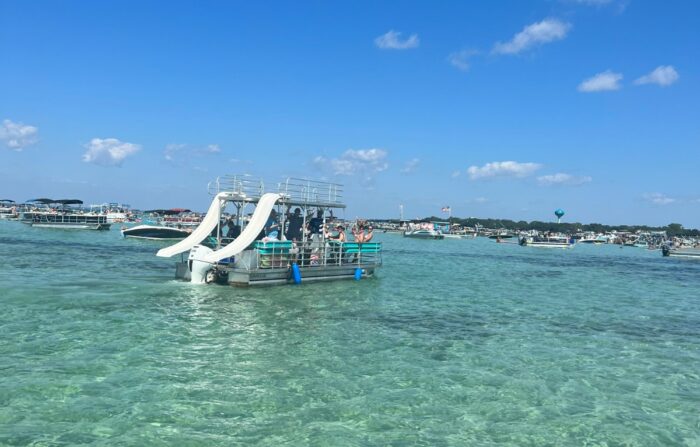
293 191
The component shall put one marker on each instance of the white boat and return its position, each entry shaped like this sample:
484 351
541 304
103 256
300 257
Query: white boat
596 239
681 252
546 241
8 210
117 212
256 256
422 230
155 232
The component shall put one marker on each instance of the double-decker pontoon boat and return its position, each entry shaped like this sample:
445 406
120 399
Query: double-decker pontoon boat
256 255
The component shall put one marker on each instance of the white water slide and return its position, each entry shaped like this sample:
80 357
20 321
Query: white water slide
211 220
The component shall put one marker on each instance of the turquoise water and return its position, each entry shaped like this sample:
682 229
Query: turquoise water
456 342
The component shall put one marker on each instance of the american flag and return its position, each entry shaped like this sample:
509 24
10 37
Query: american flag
445 209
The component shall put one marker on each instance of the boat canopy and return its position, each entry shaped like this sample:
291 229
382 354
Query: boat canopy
64 202
68 202
42 200
6 201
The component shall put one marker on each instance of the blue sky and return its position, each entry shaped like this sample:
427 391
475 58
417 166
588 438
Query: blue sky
504 109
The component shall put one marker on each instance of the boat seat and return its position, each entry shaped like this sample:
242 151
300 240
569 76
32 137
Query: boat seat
273 253
272 247
358 247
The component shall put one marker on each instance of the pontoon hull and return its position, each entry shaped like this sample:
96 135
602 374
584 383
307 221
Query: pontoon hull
258 277
73 226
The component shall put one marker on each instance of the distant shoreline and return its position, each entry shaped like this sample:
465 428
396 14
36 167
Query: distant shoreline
672 229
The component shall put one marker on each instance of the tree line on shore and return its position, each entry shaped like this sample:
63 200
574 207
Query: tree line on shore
672 230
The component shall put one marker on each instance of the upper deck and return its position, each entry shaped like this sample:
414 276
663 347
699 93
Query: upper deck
293 191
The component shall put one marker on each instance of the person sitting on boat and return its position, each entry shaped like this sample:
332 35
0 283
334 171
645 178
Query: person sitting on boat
296 221
272 226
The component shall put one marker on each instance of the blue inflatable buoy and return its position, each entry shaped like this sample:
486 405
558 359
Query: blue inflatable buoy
296 274
358 274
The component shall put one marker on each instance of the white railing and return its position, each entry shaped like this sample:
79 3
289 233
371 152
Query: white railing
244 186
292 190
300 190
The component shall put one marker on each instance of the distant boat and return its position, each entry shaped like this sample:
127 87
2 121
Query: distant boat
546 241
62 215
155 232
8 210
502 234
422 230
681 252
594 239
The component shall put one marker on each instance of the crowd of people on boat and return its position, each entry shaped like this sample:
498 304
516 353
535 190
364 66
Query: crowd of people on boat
317 228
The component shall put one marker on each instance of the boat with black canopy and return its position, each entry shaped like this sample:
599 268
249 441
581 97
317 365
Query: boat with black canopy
63 213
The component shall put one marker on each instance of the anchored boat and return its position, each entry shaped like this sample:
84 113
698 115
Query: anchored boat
169 225
60 214
681 252
546 241
8 210
423 230
264 250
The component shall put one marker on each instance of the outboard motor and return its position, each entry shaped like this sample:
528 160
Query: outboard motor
200 270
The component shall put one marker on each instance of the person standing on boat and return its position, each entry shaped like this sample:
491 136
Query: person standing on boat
340 236
358 233
369 235
316 223
296 221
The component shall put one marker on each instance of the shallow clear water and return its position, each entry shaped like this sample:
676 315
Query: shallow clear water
456 342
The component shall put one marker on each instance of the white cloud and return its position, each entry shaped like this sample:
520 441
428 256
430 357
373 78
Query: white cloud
456 174
392 41
502 169
184 153
604 81
362 162
108 151
548 30
658 198
663 75
478 200
171 150
561 179
410 166
460 59
17 136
